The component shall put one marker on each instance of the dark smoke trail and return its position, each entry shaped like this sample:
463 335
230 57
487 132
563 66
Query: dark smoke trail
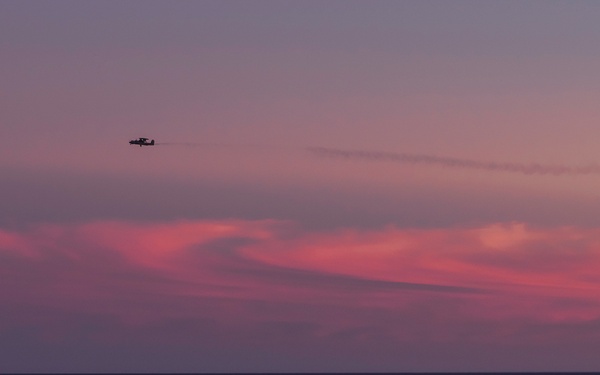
213 145
189 144
528 169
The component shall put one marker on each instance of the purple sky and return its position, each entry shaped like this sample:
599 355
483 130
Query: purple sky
420 242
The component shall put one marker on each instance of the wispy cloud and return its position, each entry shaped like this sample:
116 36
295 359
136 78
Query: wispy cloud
271 284
450 162
274 260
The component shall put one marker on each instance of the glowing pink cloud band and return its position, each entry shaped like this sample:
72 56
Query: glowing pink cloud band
499 275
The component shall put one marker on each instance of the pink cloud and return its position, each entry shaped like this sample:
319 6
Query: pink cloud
270 283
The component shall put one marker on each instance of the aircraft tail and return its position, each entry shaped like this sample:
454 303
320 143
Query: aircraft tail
152 142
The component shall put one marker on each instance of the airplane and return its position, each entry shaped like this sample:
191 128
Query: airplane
142 142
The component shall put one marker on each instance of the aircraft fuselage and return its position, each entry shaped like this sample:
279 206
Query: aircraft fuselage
142 142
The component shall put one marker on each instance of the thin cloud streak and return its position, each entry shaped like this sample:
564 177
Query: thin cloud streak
450 162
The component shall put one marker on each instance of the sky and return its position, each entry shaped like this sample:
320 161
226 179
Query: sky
336 186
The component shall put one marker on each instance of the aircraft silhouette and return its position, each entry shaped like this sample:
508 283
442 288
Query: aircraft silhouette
142 142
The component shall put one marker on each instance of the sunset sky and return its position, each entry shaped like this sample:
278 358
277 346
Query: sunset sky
336 186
